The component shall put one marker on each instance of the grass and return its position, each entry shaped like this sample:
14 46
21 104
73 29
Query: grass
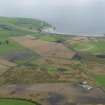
19 26
17 32
12 46
100 80
52 38
5 35
15 102
48 38
27 23
52 69
92 46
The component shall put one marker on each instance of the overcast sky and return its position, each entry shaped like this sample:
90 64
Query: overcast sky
41 8
58 12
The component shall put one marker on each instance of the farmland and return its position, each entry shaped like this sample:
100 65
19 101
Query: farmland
45 48
15 102
100 80
90 45
32 61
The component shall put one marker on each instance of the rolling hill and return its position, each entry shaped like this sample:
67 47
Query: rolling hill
20 26
31 58
26 23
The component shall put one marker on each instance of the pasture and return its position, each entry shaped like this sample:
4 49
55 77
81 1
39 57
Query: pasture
11 46
16 102
100 79
90 45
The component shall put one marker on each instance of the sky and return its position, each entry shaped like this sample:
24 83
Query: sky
41 8
72 14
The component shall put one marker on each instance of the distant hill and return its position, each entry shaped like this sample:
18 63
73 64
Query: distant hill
26 23
20 26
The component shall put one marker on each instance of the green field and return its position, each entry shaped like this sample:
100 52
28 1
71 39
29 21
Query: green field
53 38
12 46
22 23
20 26
15 102
93 46
100 79
17 27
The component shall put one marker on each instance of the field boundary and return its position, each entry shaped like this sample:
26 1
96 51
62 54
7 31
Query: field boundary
21 99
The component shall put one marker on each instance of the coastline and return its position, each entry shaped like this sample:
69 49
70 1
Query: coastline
51 30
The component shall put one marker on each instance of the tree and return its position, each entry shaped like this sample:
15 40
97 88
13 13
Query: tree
7 42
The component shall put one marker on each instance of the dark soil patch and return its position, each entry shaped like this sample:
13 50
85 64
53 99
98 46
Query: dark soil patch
101 56
55 99
19 55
